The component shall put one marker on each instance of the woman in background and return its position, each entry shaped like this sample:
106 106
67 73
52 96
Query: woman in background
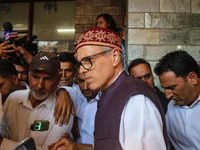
106 21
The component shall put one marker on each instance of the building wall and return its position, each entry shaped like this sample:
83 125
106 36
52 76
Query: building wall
156 27
88 10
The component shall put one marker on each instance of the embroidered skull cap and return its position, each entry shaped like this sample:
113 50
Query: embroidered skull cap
100 37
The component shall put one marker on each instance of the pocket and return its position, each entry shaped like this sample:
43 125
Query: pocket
39 137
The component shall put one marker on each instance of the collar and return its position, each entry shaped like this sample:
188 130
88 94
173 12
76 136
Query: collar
100 92
193 104
49 102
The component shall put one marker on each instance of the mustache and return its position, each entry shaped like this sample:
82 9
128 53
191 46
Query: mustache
38 90
63 79
87 90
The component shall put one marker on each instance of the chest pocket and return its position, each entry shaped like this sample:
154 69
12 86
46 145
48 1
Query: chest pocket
39 136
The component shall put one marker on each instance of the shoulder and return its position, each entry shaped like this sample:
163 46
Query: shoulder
140 108
18 93
16 96
140 101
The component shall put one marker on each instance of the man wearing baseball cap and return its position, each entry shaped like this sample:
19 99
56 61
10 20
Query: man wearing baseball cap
129 114
29 113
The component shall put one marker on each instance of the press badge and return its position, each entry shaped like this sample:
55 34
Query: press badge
40 125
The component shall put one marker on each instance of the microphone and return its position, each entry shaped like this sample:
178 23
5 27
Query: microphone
10 34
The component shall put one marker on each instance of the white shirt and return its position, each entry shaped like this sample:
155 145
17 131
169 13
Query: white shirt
86 111
75 86
141 126
183 124
20 115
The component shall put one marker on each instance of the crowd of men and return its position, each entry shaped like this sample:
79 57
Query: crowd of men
102 106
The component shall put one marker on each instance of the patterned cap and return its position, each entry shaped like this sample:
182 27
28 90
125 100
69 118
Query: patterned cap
45 61
100 37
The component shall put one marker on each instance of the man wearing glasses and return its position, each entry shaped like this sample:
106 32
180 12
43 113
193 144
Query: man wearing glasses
129 114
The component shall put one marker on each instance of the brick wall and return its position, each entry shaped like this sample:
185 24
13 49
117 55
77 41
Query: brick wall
88 10
156 27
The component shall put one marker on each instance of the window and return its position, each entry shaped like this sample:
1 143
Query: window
53 22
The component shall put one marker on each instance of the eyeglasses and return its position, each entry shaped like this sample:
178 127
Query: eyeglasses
86 62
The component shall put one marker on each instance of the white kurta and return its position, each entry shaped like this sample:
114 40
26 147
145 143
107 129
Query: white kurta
141 126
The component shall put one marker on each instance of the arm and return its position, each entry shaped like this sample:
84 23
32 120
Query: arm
25 54
63 107
141 125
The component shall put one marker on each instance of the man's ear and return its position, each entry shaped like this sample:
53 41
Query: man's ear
192 78
116 55
15 80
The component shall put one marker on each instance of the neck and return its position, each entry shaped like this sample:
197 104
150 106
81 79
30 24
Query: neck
90 98
34 102
194 95
112 79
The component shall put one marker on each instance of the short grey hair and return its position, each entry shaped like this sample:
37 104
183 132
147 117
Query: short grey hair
105 48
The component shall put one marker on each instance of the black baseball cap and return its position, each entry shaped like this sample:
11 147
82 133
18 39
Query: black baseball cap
46 61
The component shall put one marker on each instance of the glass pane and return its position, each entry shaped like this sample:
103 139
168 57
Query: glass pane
55 46
15 13
47 23
54 25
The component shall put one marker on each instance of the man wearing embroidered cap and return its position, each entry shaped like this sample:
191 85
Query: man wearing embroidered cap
29 113
129 114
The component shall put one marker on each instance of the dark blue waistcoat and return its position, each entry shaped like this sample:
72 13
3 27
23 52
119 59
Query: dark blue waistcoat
111 105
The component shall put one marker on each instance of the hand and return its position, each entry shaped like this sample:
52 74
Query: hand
64 107
25 54
64 144
4 50
66 135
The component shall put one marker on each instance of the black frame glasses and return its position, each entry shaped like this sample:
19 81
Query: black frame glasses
86 62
